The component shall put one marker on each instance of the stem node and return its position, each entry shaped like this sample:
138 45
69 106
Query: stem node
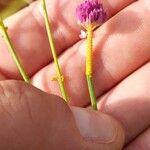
12 51
59 77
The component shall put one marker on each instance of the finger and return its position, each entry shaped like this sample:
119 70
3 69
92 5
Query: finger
141 142
2 77
129 103
31 119
117 53
28 35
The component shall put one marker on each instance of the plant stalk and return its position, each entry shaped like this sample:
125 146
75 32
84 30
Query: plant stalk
12 51
89 67
60 77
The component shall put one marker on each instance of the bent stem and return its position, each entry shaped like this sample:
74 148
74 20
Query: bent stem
60 77
12 51
89 67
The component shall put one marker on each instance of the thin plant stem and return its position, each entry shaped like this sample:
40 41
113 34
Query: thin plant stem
60 77
12 51
89 67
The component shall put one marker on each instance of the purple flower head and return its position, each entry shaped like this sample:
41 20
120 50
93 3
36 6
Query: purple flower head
91 12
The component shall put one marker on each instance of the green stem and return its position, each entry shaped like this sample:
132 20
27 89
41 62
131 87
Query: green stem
89 67
60 77
12 51
91 92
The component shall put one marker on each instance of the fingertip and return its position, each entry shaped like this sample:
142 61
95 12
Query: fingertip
99 130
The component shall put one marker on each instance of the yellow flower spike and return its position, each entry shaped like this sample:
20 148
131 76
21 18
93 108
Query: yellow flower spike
59 77
89 67
3 31
89 51
90 14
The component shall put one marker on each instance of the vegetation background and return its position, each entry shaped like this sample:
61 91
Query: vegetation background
8 7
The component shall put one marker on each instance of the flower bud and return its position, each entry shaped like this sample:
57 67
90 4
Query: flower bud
90 12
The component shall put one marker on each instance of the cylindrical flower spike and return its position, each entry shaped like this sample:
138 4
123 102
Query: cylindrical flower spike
90 14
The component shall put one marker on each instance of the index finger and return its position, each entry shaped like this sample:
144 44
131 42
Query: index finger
30 39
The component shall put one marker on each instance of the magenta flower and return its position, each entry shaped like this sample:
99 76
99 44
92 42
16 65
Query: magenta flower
91 12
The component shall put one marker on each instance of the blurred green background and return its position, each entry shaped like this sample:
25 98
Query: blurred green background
9 7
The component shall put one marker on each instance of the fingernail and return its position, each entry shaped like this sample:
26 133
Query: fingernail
94 126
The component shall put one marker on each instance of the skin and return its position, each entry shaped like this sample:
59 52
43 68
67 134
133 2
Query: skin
121 63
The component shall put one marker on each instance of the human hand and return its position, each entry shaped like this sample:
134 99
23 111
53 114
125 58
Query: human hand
33 120
121 56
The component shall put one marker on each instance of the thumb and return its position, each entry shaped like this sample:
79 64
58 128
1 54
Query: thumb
31 119
100 131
